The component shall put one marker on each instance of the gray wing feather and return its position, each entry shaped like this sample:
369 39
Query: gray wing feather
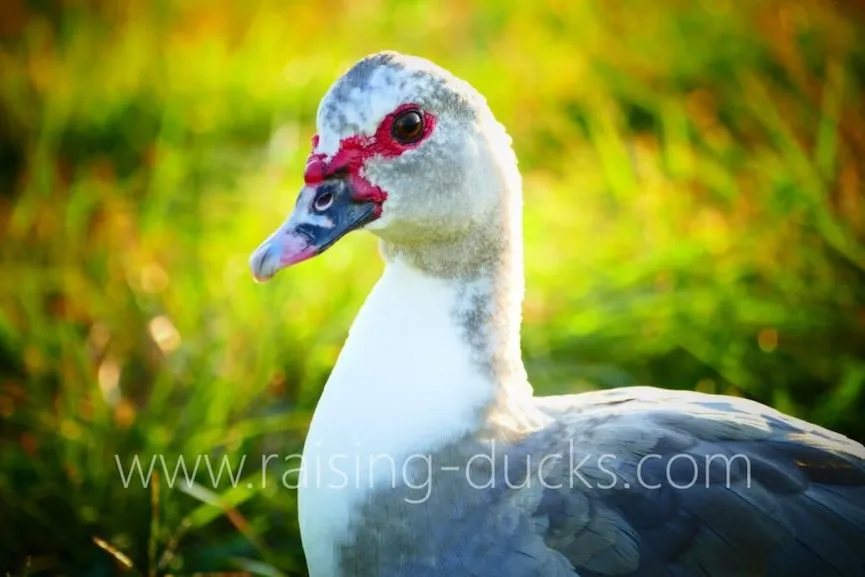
770 495
775 496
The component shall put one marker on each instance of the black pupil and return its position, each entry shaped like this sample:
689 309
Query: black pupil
408 127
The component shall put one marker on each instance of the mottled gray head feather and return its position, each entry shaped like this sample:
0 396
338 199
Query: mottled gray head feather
358 101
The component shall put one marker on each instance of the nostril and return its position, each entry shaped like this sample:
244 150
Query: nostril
323 201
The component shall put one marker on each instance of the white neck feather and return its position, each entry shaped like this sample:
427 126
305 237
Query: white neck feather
405 380
406 383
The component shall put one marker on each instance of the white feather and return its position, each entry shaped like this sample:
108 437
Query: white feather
404 385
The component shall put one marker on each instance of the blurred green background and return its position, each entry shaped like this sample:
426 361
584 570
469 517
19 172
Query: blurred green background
695 218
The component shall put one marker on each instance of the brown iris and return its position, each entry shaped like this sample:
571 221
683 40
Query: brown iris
407 128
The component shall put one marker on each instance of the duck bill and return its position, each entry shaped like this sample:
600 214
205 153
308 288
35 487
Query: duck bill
322 215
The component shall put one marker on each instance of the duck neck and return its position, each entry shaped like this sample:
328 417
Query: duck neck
484 279
433 356
429 361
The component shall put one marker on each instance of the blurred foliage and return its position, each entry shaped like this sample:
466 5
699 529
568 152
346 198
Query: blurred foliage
695 218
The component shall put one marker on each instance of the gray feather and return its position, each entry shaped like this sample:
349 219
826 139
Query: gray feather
794 502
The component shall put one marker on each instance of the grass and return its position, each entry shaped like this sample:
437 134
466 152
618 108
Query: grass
694 219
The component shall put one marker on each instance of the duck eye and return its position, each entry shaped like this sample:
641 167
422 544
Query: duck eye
407 128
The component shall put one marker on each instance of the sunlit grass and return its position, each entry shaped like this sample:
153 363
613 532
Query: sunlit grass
694 219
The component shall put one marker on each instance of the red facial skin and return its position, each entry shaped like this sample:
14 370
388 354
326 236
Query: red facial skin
355 150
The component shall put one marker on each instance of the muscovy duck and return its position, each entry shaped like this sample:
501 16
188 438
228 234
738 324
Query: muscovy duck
428 453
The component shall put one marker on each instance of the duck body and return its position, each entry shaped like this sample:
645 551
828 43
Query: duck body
428 453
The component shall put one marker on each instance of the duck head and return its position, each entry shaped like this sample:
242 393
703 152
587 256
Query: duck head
405 150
